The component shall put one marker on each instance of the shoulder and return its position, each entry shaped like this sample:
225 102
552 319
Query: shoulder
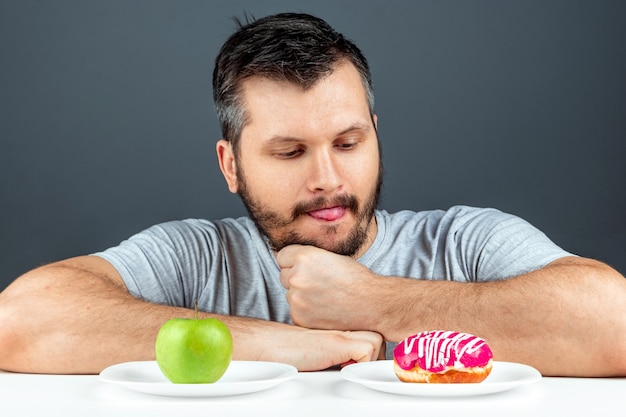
454 217
458 225
194 234
189 227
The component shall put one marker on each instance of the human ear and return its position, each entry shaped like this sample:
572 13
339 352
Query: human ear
226 159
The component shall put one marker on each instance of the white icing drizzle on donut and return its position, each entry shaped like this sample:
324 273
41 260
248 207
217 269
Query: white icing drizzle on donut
436 348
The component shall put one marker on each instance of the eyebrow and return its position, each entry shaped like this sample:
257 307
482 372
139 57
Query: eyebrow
278 139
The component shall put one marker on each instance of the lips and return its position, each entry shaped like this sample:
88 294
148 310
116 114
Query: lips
328 214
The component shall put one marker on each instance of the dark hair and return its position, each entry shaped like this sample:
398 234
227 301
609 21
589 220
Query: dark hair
292 47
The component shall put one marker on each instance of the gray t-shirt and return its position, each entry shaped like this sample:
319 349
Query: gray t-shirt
229 268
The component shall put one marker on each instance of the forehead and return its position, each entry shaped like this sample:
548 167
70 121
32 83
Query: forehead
279 108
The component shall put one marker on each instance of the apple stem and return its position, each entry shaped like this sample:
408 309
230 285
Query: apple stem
196 313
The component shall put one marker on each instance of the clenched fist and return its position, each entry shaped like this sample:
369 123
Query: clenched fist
326 290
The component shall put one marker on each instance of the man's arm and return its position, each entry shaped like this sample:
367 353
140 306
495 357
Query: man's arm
76 316
567 319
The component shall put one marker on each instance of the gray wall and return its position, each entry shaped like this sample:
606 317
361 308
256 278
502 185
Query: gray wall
107 124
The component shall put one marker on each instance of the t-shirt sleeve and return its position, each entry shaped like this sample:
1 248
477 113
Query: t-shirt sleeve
161 264
492 245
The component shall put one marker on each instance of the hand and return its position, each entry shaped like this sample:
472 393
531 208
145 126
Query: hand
316 350
326 290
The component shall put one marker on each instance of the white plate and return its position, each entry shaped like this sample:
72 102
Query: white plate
241 377
379 375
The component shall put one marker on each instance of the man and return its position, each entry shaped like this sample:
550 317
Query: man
317 276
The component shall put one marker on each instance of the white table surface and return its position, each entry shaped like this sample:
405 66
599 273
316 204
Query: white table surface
307 394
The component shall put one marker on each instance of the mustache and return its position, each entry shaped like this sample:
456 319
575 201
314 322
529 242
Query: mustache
343 200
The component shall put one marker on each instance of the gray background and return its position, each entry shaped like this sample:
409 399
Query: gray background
107 124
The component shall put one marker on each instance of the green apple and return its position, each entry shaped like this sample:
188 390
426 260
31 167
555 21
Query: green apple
193 351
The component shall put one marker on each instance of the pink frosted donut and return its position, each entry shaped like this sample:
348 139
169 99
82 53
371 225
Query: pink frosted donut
442 357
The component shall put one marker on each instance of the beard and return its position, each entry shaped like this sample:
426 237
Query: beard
270 222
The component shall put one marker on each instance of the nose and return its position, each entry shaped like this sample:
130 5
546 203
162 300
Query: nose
324 172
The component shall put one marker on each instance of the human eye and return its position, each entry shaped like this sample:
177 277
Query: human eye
288 153
346 144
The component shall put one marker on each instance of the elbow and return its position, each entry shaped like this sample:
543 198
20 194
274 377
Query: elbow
617 352
17 334
609 294
617 329
611 343
10 342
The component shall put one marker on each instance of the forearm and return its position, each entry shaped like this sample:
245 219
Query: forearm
73 318
64 319
566 319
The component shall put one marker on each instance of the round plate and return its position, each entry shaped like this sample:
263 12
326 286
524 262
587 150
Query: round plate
379 375
241 377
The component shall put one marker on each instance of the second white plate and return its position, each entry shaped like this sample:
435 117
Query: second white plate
241 377
379 375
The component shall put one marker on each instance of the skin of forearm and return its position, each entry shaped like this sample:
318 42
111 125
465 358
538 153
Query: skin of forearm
65 318
567 319
62 322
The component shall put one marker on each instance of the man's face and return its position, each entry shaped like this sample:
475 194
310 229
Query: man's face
308 168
